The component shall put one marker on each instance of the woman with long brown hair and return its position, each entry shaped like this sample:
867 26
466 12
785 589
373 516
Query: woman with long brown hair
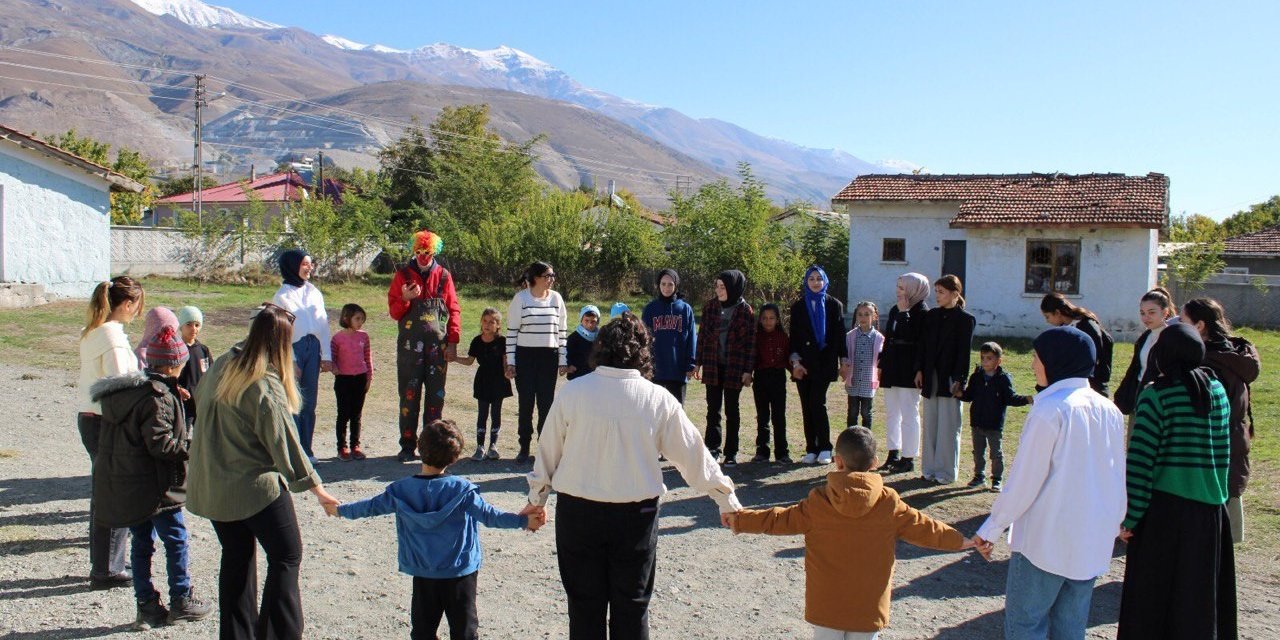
1059 312
104 351
246 457
942 368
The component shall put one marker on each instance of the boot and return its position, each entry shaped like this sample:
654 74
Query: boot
905 465
887 465
150 614
523 456
189 607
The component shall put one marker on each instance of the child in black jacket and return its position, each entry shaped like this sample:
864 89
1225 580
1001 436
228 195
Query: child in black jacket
990 390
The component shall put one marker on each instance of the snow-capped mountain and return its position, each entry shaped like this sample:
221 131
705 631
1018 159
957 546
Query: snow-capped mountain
351 45
199 14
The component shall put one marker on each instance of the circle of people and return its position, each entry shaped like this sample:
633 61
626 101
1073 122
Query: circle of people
169 427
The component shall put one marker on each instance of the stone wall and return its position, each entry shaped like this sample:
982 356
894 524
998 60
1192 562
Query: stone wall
163 251
1251 300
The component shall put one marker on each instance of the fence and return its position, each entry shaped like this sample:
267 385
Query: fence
141 251
1250 300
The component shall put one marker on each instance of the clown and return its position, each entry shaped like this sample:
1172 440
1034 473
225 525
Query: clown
425 306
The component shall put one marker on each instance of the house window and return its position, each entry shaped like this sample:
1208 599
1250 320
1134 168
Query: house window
1053 266
894 250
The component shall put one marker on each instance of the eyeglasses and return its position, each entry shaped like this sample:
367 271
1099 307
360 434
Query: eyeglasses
422 252
269 305
549 276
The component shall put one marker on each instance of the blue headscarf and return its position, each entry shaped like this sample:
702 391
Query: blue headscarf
289 263
816 304
618 309
582 331
1065 352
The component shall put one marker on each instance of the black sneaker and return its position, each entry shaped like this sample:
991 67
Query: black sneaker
111 581
523 456
715 454
997 486
783 459
760 457
189 607
904 465
731 461
978 481
150 614
406 455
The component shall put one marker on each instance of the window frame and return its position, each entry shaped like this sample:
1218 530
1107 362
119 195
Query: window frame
884 250
1052 264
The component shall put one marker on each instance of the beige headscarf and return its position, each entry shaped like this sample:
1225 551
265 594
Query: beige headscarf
916 287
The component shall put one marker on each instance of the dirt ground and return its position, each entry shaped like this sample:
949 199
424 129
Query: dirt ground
710 584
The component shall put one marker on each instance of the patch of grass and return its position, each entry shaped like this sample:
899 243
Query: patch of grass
17 533
9 454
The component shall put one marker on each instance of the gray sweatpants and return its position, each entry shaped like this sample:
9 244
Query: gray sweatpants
940 449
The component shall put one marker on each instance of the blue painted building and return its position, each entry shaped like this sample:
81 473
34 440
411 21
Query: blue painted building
55 216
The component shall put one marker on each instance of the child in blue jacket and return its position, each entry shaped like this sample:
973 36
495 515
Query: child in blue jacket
437 528
990 390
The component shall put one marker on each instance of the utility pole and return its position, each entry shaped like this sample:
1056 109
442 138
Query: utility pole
197 169
320 183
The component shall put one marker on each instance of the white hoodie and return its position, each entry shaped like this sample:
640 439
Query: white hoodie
103 352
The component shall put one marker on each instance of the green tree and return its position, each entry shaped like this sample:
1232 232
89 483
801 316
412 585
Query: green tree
826 243
1194 228
182 184
1255 218
726 227
126 208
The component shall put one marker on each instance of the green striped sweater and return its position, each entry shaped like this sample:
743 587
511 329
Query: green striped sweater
1176 451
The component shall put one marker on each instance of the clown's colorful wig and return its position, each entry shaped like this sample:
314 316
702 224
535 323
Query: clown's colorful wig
426 240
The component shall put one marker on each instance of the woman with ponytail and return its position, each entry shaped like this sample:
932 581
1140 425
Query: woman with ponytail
537 328
104 352
1156 311
942 368
1059 312
1237 363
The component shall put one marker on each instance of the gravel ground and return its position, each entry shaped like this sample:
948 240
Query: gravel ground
710 583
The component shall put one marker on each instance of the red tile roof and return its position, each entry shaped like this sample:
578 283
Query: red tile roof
1266 241
1029 199
277 187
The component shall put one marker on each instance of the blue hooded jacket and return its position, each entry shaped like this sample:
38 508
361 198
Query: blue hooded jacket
437 520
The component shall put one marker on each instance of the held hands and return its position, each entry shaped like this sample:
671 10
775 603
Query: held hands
1125 535
327 502
957 390
798 371
450 352
697 373
729 521
984 547
562 371
326 366
537 516
919 380
511 372
746 379
846 373
183 394
410 291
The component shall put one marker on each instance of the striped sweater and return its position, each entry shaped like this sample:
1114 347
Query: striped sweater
1176 451
534 322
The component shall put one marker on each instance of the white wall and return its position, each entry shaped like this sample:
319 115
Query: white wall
1118 265
54 224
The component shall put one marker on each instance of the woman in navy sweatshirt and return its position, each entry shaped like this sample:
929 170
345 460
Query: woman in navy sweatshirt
670 321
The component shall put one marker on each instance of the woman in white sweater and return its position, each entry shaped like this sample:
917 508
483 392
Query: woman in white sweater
536 325
600 453
310 337
105 351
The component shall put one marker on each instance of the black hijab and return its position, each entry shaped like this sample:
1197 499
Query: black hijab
290 261
675 277
734 284
1178 354
1065 352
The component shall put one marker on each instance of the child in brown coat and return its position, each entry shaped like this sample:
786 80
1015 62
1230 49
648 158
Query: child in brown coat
854 511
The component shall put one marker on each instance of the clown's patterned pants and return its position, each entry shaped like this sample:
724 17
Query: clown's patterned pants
420 372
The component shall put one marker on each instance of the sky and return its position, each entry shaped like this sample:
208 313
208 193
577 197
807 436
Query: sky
1188 89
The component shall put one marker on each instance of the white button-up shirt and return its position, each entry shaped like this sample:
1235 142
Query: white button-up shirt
307 304
1065 497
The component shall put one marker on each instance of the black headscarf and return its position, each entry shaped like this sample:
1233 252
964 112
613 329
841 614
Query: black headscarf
734 283
289 263
1065 352
675 277
1178 353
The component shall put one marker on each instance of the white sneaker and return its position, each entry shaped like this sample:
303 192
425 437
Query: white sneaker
824 457
808 458
493 453
478 455
313 460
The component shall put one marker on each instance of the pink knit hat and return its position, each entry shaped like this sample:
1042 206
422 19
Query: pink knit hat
166 349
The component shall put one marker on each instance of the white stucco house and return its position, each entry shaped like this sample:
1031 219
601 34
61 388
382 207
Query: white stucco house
1011 239
55 216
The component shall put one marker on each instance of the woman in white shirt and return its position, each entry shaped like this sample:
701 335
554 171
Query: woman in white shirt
536 324
310 336
600 453
104 351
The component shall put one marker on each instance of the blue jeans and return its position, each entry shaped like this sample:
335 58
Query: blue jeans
306 356
1039 604
172 531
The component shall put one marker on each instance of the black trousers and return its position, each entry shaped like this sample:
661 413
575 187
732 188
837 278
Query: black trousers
490 412
276 529
350 392
536 371
608 557
813 407
769 388
676 387
452 598
718 396
859 407
107 546
1179 578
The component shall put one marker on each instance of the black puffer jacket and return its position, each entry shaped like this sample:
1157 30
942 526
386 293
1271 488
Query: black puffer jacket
141 466
902 333
1237 363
